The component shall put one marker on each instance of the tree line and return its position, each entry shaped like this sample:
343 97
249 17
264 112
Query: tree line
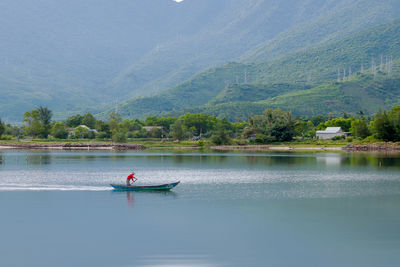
274 125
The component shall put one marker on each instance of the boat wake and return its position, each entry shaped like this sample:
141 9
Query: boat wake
31 187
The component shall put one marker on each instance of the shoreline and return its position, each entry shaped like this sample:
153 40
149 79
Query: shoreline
139 147
374 147
72 146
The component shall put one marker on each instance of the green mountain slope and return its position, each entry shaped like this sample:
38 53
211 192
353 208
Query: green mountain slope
254 92
257 29
237 82
361 93
320 29
73 55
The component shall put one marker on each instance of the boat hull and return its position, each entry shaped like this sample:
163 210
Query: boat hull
162 187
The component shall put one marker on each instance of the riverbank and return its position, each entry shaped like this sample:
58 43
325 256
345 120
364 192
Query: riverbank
373 147
131 146
73 146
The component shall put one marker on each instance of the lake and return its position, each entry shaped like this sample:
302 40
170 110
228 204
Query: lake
231 209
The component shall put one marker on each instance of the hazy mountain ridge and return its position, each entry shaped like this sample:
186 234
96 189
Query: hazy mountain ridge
314 66
350 16
287 25
78 56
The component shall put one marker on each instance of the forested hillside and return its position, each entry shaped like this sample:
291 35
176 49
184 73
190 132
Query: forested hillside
361 93
237 82
85 55
274 26
356 15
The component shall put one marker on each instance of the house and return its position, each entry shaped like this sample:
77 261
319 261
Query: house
87 128
149 128
331 132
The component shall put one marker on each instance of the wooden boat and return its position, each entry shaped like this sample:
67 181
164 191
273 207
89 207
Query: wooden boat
162 187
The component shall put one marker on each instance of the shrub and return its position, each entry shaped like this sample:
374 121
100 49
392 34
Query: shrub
6 137
336 138
103 135
371 139
119 137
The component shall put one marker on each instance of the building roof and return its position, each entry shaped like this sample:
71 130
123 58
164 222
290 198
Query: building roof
331 130
87 128
149 128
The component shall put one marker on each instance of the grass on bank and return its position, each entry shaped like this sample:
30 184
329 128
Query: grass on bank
165 143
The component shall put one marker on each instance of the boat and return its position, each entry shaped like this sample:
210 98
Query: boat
161 187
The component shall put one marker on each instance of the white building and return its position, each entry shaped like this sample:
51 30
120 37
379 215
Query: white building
330 133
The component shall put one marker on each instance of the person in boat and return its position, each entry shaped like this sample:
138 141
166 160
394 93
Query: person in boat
130 179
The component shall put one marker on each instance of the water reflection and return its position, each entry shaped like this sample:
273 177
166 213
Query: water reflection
131 196
130 199
224 160
375 160
44 158
178 261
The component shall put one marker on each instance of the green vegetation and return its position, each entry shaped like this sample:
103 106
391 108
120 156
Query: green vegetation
331 78
113 65
38 122
360 93
272 126
2 128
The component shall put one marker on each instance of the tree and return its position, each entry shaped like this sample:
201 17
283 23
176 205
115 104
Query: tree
2 128
359 128
74 121
89 120
59 131
394 117
220 136
33 126
279 125
382 127
200 122
45 115
114 119
178 130
119 137
305 129
155 133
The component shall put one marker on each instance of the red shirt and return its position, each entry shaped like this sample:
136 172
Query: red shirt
130 177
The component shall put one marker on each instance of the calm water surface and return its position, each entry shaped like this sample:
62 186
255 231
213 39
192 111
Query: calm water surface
231 209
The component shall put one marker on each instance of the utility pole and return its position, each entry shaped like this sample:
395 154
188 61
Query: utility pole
349 72
390 66
373 68
387 65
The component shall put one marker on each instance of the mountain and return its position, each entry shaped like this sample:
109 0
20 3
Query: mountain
344 18
250 31
84 55
249 82
362 92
